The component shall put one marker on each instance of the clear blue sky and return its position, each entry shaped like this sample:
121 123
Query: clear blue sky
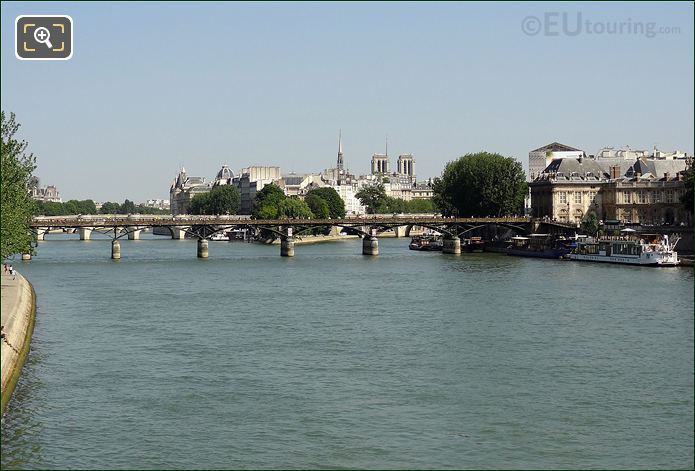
152 86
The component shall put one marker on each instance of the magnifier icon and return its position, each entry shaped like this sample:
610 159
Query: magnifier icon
43 36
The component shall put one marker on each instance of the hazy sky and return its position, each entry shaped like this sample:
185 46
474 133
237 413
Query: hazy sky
152 86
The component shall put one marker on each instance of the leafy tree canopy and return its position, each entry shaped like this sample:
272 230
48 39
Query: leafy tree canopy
16 205
590 224
222 199
318 206
294 208
373 197
336 205
266 205
481 184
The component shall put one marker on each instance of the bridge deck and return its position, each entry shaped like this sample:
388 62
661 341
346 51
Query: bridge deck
151 221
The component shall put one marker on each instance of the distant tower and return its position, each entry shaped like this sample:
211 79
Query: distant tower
380 162
406 166
340 151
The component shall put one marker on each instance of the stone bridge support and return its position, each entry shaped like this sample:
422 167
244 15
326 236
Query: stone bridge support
202 248
401 231
287 243
115 249
370 244
178 232
133 233
452 245
41 233
85 233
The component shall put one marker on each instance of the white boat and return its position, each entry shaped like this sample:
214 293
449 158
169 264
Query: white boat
222 236
649 250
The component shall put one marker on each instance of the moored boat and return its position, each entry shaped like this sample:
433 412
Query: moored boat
647 250
537 246
425 243
474 244
220 236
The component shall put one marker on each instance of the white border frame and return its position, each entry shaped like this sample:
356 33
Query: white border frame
72 42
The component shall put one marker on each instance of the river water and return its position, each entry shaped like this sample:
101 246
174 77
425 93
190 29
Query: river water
336 360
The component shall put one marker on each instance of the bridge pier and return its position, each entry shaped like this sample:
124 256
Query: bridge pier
85 233
400 231
41 234
133 233
202 248
177 233
452 245
26 257
287 243
370 245
287 246
115 250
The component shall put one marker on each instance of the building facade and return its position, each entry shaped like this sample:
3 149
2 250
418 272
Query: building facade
646 191
183 189
539 159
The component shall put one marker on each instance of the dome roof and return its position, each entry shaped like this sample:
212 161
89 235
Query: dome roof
225 173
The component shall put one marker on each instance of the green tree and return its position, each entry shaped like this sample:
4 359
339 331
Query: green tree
128 207
294 208
16 206
110 207
267 202
222 199
421 205
88 207
374 198
590 225
481 184
317 205
336 205
199 204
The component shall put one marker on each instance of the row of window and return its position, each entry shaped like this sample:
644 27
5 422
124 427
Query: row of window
628 197
576 195
654 196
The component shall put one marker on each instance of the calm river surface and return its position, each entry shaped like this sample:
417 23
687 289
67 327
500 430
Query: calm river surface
332 359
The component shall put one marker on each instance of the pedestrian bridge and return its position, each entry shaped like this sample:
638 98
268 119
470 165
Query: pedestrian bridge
204 227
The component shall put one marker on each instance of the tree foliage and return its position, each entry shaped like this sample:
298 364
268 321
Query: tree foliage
336 205
16 204
267 202
481 184
590 224
294 208
373 197
222 199
318 206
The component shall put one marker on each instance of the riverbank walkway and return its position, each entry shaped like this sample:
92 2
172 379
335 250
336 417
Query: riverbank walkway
17 312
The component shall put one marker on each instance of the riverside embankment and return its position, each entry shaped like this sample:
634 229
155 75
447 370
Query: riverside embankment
18 313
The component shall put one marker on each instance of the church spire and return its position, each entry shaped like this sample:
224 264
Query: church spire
340 150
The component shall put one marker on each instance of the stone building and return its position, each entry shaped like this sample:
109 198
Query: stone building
46 194
645 191
568 189
539 159
183 189
648 193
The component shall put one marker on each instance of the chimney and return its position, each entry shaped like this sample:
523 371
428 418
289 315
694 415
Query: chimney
680 176
667 176
638 175
614 172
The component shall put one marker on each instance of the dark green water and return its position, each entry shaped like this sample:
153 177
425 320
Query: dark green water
332 359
